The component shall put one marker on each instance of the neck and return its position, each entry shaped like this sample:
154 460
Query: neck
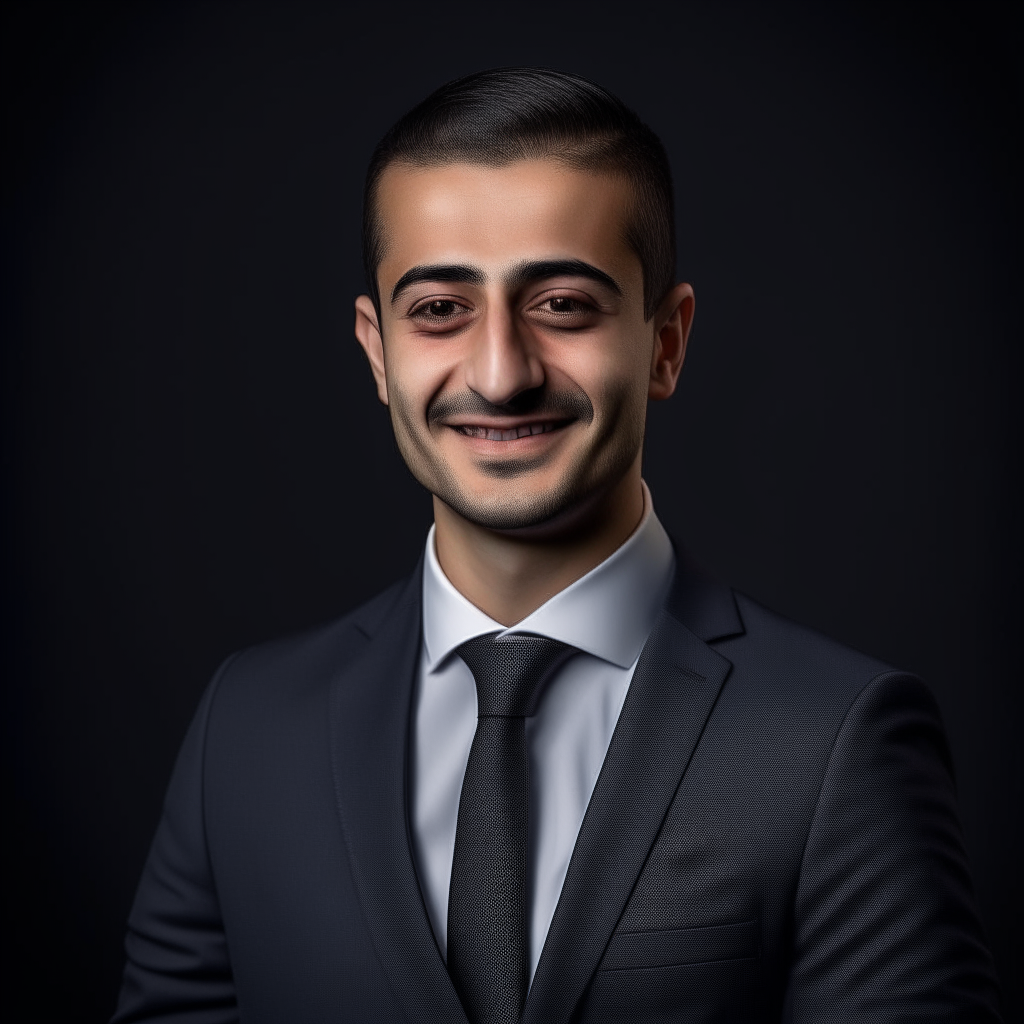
508 576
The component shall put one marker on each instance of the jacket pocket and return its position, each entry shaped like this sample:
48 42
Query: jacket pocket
677 946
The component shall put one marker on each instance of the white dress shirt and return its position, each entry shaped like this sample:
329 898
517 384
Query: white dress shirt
608 615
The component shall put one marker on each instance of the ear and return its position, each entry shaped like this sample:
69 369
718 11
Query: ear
368 335
672 325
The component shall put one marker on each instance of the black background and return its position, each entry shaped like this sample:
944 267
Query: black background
194 458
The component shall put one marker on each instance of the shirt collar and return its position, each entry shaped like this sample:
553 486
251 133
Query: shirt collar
609 612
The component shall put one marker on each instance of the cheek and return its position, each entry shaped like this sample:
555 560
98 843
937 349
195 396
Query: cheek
612 371
416 372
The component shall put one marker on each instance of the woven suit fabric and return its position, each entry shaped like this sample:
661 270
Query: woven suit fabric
488 956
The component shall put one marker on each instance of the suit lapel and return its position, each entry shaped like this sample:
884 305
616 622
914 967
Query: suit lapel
672 693
370 712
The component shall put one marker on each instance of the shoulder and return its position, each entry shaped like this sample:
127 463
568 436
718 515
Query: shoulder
800 682
776 644
294 667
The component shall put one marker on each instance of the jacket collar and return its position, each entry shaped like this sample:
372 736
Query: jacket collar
706 607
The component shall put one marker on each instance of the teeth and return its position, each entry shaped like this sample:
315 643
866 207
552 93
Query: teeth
495 434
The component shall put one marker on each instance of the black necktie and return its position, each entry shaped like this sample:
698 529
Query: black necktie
487 942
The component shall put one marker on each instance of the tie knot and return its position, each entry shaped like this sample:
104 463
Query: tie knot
510 670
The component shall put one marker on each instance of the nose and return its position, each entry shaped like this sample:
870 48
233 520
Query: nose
501 362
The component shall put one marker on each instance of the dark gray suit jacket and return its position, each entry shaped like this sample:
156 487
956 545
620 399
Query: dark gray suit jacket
772 837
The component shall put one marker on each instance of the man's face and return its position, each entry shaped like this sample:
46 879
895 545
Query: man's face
516 359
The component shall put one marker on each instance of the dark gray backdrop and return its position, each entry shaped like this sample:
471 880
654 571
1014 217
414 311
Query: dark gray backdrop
195 460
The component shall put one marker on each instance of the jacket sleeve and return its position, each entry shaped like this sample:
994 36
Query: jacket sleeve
178 967
885 928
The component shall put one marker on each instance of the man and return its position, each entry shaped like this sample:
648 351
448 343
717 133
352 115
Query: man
557 774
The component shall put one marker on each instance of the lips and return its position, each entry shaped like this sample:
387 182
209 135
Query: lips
510 434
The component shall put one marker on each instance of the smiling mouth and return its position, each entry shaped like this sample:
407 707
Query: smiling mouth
510 434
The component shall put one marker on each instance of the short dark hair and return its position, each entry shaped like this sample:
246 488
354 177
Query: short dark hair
505 114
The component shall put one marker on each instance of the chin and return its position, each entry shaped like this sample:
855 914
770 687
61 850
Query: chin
537 513
508 514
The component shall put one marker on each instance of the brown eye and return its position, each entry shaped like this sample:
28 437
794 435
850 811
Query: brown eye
442 308
439 315
563 305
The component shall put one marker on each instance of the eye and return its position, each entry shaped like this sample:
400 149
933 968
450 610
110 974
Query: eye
565 312
439 309
565 304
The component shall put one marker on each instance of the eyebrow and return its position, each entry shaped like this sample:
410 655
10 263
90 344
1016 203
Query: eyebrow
456 273
537 270
524 273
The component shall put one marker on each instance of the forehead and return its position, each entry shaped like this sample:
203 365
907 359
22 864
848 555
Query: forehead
495 216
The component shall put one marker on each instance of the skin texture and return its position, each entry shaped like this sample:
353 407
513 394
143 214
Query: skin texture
516 363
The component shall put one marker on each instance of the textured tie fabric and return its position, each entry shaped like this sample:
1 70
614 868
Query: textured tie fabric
487 926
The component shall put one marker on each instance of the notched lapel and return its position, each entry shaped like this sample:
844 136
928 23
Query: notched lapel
674 688
370 709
